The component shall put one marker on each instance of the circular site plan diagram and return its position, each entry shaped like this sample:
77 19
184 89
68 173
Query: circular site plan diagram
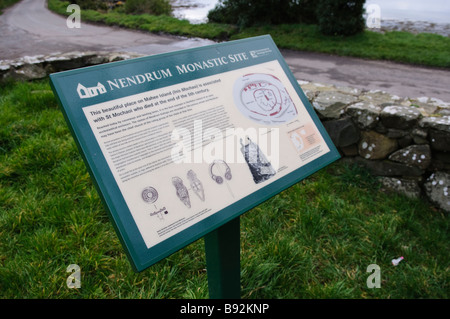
264 99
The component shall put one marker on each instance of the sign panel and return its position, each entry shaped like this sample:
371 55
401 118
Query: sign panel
178 144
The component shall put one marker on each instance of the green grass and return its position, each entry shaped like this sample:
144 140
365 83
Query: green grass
6 3
314 240
146 22
421 49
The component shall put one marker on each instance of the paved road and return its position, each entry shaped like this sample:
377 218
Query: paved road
398 79
28 28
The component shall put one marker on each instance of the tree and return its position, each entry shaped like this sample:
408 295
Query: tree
334 17
258 12
340 17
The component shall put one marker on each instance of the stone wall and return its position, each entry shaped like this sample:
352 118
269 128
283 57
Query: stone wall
404 141
40 66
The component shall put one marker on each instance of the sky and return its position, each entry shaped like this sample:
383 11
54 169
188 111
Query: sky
414 10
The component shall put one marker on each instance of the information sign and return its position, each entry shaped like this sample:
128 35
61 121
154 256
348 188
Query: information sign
178 144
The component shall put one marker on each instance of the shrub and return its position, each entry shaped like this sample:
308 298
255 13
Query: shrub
340 17
256 12
334 17
90 4
153 7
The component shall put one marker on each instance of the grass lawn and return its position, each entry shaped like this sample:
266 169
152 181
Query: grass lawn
421 49
314 240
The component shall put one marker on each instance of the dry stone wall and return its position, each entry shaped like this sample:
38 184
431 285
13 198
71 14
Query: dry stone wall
40 66
404 141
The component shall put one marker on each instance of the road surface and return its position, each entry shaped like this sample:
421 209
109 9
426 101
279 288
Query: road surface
29 28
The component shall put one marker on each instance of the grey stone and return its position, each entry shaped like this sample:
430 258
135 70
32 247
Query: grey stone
70 62
419 140
441 123
430 105
378 97
440 161
365 114
351 150
310 95
439 140
342 132
388 168
405 141
331 104
29 72
407 187
420 136
425 108
349 90
413 155
4 69
437 188
444 112
39 66
394 133
309 90
439 103
373 145
442 156
96 59
399 117
317 87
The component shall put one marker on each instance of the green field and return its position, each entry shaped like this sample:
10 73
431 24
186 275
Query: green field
421 49
314 240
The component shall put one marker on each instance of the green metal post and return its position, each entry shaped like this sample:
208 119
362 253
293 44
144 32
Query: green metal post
222 247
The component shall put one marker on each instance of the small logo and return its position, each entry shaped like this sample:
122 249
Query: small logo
374 280
74 279
260 52
73 20
373 20
88 92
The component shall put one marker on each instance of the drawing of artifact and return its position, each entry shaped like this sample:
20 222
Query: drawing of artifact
297 141
257 162
160 213
196 185
264 99
149 195
182 191
219 165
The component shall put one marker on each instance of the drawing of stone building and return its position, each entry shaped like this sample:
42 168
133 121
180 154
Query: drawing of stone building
85 92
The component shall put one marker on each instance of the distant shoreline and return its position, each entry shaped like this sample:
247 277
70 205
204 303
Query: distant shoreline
414 26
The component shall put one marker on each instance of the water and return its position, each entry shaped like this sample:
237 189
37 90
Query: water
196 11
410 15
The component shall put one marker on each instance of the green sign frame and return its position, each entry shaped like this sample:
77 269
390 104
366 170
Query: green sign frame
87 96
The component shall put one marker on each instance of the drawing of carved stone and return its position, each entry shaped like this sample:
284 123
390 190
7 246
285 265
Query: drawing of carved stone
196 185
182 191
257 162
